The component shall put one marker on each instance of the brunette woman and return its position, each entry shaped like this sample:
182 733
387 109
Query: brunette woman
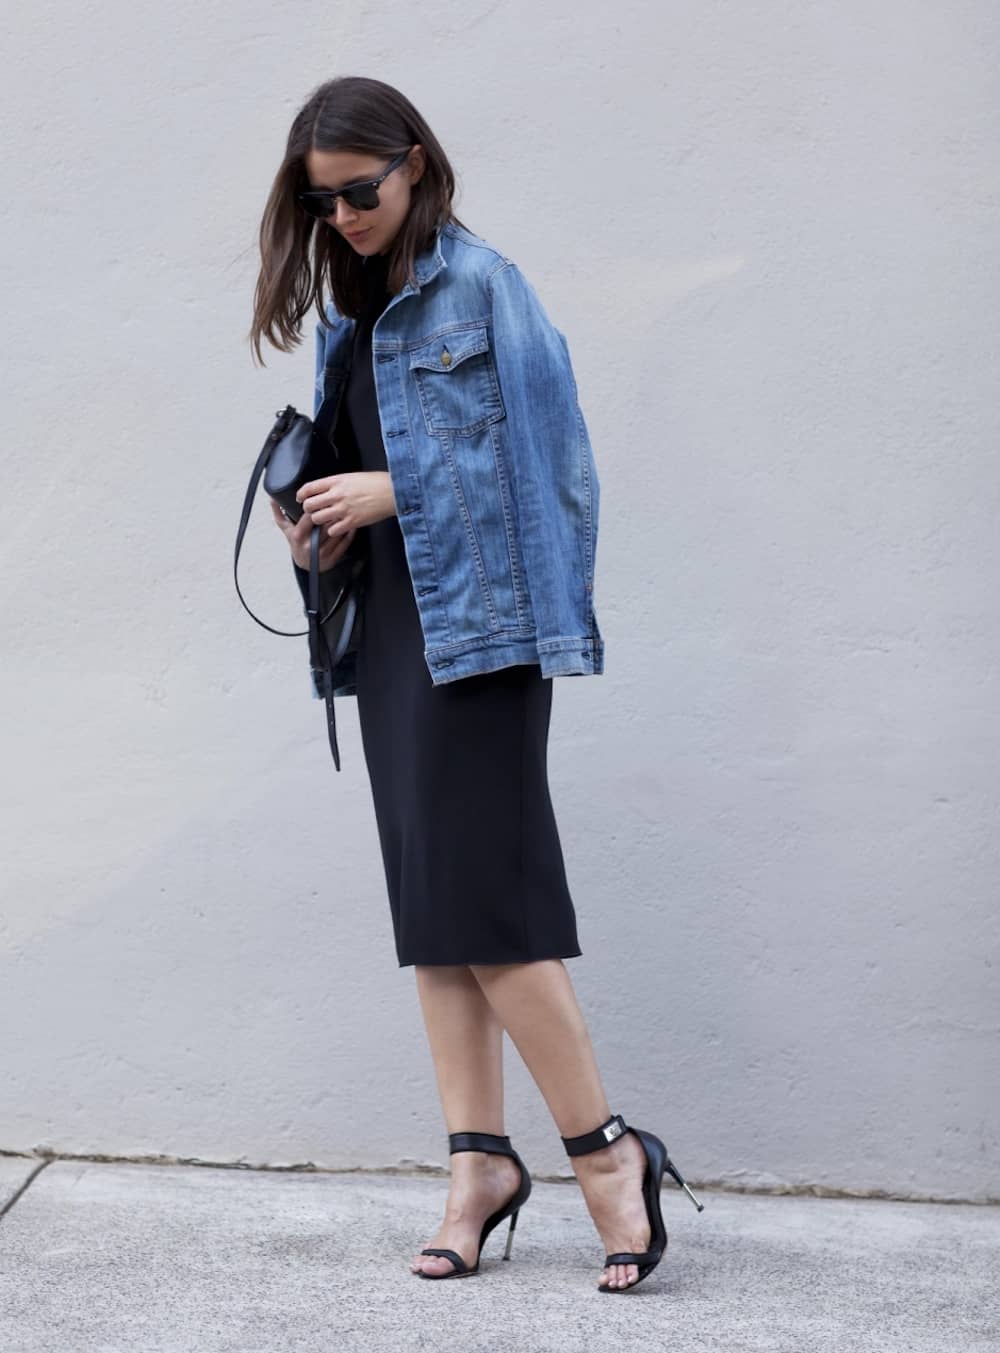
471 481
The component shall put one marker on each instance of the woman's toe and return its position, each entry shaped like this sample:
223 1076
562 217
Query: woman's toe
619 1275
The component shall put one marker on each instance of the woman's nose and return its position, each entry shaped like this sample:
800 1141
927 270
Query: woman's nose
343 215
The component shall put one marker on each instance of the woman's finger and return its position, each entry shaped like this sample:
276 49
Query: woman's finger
303 528
333 548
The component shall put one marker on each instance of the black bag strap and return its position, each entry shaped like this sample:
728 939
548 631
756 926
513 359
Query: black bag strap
319 647
248 500
322 660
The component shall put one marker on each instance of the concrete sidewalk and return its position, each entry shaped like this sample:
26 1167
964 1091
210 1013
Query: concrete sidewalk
126 1258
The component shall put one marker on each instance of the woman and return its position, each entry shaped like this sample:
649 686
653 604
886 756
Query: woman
469 475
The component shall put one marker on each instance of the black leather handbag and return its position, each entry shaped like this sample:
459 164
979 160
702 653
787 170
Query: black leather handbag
296 451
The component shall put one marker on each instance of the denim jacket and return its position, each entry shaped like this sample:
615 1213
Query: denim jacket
490 460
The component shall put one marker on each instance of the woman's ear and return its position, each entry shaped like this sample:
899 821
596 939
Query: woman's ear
417 163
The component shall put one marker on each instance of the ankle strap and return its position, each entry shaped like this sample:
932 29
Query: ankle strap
593 1141
479 1141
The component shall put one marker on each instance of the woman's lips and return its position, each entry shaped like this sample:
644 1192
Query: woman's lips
358 233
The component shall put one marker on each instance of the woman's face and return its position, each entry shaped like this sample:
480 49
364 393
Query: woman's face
332 169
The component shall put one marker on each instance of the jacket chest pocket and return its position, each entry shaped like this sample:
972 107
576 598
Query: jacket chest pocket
456 380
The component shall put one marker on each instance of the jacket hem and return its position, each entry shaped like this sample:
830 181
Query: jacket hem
556 657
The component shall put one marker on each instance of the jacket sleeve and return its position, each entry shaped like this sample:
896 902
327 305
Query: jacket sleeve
555 478
320 366
301 574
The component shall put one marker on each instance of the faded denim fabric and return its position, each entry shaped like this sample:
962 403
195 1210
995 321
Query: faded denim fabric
490 460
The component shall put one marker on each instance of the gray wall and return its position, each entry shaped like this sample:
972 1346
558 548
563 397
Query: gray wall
770 235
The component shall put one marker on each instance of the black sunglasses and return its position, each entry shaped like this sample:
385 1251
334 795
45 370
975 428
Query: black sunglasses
321 202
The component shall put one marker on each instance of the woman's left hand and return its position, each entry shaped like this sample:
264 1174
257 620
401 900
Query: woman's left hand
343 502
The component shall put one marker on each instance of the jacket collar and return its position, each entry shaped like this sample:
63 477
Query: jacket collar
427 264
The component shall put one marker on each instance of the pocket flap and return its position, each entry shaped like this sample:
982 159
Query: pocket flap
449 349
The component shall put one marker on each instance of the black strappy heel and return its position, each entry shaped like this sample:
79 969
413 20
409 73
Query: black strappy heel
657 1161
499 1146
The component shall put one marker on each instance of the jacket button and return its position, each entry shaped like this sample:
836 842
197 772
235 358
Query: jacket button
445 357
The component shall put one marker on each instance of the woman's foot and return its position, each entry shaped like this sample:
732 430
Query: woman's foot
611 1180
481 1182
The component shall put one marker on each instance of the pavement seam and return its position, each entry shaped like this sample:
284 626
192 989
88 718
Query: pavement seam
414 1171
23 1189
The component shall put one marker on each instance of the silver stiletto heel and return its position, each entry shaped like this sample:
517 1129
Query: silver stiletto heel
672 1168
510 1234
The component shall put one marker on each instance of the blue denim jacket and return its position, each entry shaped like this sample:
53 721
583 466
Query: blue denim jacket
490 460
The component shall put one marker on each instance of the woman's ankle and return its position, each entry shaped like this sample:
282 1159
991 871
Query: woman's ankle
605 1160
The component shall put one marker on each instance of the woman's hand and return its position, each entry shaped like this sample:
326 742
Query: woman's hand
298 534
343 502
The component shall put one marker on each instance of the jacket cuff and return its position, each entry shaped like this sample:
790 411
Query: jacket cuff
571 657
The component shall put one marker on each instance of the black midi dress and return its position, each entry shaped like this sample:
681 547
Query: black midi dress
468 836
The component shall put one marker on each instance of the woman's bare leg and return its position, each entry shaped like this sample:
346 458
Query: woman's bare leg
537 1005
466 1041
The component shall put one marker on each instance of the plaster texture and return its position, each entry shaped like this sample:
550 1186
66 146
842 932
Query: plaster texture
769 232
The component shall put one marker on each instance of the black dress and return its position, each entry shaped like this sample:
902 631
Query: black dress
472 858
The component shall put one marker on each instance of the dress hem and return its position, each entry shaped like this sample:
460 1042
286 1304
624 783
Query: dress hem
484 962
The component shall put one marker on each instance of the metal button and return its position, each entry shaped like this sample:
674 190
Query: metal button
445 357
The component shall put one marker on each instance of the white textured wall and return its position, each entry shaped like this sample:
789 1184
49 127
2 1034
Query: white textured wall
769 232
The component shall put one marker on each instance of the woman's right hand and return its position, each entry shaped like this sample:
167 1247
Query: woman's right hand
331 548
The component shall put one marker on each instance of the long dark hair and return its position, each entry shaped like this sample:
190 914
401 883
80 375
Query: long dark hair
297 260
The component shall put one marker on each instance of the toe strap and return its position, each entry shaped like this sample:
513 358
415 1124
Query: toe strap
455 1258
624 1257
